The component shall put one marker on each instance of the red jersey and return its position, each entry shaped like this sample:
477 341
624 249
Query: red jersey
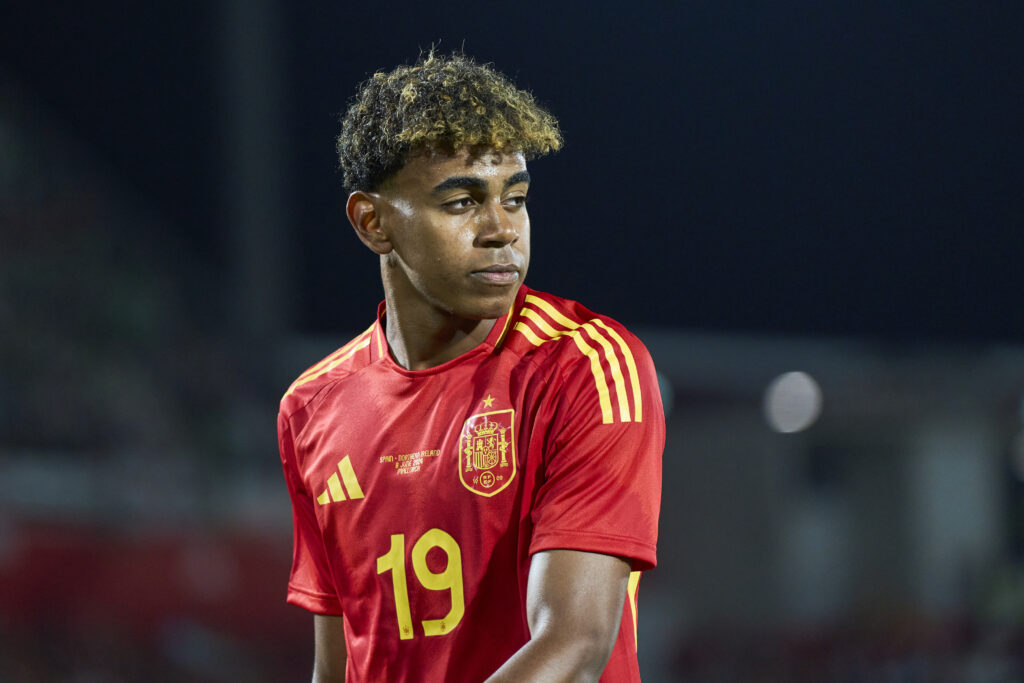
419 496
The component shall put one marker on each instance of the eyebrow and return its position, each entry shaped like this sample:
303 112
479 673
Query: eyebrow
516 178
472 182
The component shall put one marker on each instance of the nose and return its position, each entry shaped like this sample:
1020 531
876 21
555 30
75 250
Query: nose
497 227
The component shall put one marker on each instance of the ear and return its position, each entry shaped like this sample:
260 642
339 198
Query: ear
364 215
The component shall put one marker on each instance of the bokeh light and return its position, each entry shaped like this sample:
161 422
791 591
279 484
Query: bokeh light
792 402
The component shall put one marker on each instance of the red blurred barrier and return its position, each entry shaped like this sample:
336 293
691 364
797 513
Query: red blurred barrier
80 576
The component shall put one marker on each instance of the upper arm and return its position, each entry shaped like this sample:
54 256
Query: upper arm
574 603
577 593
331 655
310 583
600 486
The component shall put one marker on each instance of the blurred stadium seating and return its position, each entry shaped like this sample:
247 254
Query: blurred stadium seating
144 531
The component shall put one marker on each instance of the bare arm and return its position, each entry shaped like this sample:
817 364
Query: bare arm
574 603
330 654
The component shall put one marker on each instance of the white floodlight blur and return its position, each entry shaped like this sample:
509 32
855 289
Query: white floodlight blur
792 402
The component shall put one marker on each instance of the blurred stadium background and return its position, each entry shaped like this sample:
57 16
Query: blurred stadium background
827 189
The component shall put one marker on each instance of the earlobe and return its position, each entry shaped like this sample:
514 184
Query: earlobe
364 215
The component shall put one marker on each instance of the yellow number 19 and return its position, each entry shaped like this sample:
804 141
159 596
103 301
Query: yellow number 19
450 580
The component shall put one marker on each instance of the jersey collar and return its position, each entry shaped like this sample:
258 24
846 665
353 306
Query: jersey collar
495 338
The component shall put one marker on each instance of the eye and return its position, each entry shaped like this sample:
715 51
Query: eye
459 204
516 201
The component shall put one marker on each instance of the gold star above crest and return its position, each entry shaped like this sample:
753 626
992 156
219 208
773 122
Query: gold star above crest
488 401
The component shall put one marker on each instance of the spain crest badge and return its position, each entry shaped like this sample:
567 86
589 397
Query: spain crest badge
487 452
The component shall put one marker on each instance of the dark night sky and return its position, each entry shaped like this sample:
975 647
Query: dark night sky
807 168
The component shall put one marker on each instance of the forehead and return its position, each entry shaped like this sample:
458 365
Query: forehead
426 169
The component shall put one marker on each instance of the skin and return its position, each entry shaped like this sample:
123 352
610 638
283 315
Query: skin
574 603
329 653
438 225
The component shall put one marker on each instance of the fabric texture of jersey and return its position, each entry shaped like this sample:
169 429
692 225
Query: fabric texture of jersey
419 496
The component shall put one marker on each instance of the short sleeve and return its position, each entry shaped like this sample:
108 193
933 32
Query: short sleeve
309 585
601 485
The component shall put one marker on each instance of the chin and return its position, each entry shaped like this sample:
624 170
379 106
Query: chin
489 309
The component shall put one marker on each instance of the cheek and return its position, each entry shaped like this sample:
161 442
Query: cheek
446 247
456 241
430 241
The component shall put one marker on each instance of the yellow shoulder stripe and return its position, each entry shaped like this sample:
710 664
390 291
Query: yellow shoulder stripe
631 586
613 362
542 323
337 353
581 343
350 350
599 380
528 333
380 344
634 376
599 336
504 329
550 310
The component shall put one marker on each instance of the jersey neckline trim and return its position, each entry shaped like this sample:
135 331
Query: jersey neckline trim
495 338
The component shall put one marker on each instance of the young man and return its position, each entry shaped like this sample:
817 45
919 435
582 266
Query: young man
475 478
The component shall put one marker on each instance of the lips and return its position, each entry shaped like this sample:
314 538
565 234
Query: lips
498 274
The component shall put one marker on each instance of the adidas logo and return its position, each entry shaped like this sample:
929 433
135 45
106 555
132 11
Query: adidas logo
337 488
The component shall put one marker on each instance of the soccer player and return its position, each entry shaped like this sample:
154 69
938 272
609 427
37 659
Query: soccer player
476 478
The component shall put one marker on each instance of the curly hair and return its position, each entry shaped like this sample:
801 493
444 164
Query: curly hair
439 103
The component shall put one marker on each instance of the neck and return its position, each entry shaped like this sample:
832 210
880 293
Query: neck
421 337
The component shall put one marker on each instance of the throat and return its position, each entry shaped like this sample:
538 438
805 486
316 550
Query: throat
418 346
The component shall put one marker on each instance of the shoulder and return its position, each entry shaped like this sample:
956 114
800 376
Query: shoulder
591 351
566 328
335 367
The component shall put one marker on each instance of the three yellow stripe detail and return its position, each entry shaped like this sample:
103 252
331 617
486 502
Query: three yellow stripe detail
575 330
